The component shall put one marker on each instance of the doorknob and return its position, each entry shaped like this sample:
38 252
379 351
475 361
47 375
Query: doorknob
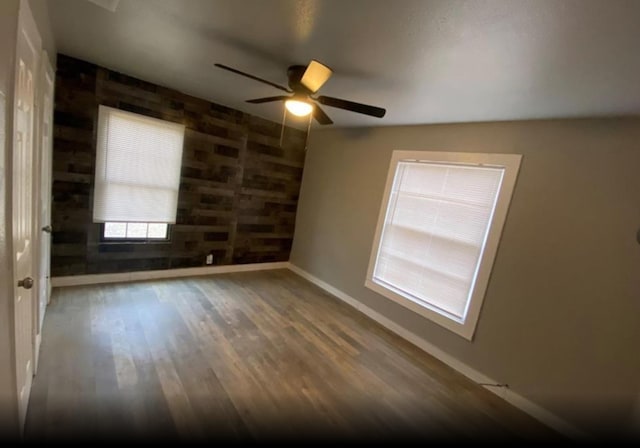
26 283
47 229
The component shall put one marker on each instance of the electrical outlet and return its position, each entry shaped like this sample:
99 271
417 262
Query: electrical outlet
210 259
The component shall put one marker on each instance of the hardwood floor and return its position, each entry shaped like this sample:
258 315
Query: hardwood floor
257 355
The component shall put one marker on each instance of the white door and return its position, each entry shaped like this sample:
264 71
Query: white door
27 55
42 185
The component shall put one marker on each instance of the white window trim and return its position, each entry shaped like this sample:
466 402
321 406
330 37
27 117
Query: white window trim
511 164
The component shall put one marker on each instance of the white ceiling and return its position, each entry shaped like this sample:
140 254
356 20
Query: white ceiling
426 61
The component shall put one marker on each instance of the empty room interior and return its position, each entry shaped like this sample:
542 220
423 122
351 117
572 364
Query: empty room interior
319 220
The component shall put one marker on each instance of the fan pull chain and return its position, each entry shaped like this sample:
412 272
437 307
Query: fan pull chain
284 120
306 139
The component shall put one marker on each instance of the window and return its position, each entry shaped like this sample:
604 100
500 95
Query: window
138 161
135 231
438 232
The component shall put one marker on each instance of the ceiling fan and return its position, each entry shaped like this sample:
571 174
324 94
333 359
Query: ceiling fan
304 82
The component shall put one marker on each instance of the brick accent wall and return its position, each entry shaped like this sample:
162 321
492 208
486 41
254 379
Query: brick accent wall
238 188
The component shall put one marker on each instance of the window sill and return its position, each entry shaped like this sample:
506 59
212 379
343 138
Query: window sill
465 329
131 242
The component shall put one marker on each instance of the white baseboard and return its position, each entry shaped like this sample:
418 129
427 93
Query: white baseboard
534 410
77 280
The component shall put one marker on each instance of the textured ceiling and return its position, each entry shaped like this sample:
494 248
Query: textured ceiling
426 61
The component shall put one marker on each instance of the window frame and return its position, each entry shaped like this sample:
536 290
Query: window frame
511 164
125 240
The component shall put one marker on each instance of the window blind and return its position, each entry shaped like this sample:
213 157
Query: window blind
434 232
138 163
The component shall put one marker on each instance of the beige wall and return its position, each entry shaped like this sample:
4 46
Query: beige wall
561 318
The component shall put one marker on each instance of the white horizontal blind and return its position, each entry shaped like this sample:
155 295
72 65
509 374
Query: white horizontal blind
435 229
137 168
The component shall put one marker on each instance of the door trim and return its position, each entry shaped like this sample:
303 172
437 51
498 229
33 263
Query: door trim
46 76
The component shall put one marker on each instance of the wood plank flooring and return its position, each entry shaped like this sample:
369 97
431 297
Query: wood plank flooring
248 356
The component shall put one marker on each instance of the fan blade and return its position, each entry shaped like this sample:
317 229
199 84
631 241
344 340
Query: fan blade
255 78
353 107
315 76
320 116
268 99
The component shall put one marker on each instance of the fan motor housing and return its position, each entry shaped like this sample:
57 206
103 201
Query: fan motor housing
294 74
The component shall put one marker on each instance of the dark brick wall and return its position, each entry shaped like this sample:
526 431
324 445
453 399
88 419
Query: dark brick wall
238 189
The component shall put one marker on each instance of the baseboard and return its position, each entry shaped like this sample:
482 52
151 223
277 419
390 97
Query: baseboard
534 410
77 280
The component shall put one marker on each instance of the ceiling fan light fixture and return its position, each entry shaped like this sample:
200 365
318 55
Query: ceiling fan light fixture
304 81
298 108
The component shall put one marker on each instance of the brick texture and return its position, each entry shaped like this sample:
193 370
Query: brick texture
238 188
